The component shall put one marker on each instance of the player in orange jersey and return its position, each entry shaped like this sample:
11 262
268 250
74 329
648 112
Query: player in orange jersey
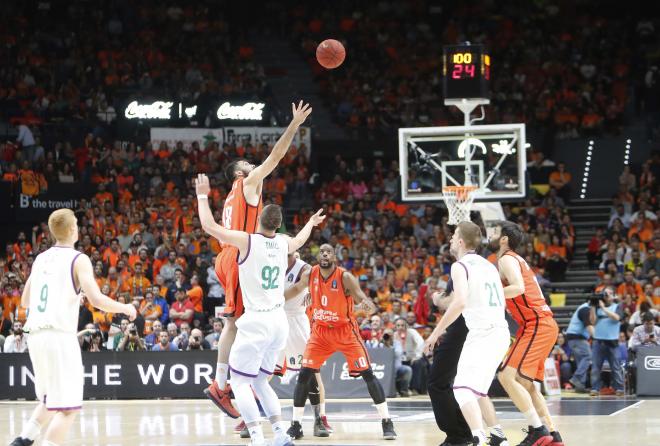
536 336
334 328
240 212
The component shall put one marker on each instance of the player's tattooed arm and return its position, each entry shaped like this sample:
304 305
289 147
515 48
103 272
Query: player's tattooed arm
352 286
299 286
510 271
254 180
239 239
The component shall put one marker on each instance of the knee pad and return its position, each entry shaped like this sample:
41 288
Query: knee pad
314 393
373 386
368 375
464 396
305 376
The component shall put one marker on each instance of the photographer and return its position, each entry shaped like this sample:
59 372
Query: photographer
90 339
646 334
197 341
606 341
131 341
580 330
403 373
17 341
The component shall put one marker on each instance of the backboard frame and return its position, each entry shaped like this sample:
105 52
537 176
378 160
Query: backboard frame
491 131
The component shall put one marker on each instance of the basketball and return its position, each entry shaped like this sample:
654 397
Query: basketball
330 53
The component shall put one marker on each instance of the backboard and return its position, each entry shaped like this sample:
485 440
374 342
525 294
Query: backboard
491 157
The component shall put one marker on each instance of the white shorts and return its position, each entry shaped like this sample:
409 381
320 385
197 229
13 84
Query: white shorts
296 342
482 353
58 369
259 340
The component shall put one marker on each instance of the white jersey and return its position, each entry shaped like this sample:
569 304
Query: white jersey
295 305
54 300
262 272
485 301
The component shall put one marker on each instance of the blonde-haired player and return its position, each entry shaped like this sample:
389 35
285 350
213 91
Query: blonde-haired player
479 296
52 295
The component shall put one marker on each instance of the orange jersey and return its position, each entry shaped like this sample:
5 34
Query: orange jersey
237 214
531 304
331 306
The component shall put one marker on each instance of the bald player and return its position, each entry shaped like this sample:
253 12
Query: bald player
334 329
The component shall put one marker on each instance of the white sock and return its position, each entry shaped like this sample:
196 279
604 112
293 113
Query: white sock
533 418
256 434
278 427
221 371
298 413
480 434
497 430
31 429
382 410
322 409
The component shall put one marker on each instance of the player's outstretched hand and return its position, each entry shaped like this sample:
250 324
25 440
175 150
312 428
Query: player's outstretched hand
317 218
131 312
300 112
202 186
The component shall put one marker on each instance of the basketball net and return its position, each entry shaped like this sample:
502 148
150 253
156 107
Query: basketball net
459 202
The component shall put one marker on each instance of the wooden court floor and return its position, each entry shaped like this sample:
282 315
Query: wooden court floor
584 422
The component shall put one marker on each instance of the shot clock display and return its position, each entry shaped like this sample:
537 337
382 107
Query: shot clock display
466 72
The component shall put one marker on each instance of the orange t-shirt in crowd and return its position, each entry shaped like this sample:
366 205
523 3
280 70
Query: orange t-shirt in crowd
552 249
196 295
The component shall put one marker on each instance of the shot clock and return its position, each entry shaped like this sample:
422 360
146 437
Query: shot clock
466 72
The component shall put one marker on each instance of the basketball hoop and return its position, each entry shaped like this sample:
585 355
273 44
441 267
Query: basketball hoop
459 202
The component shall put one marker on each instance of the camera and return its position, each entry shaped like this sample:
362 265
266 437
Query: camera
386 337
596 298
133 331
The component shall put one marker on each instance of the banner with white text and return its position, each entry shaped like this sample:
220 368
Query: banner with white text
148 375
254 135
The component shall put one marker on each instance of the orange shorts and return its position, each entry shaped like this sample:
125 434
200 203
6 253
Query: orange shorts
226 267
324 341
533 344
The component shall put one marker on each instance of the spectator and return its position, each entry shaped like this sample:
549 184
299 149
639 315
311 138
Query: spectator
16 342
197 341
119 335
580 330
182 310
373 334
636 317
647 334
153 338
164 344
168 270
562 355
90 339
403 373
560 180
213 337
150 311
605 343
413 345
131 341
26 141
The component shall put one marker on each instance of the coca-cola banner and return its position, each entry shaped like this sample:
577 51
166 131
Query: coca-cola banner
238 135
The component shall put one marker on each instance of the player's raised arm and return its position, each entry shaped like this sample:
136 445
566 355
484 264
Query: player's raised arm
299 240
85 274
351 285
25 297
300 112
458 301
239 239
299 286
510 271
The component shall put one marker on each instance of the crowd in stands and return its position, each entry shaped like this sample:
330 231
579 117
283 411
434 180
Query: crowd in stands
78 60
563 68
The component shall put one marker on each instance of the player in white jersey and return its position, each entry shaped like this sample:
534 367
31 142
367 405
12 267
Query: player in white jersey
52 295
479 296
299 332
262 332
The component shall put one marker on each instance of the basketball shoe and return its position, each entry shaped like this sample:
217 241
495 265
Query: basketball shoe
388 429
324 420
319 428
556 439
242 429
539 436
496 440
295 430
221 399
18 441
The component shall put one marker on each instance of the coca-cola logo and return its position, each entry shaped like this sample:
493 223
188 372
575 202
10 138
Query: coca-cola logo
251 111
156 110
